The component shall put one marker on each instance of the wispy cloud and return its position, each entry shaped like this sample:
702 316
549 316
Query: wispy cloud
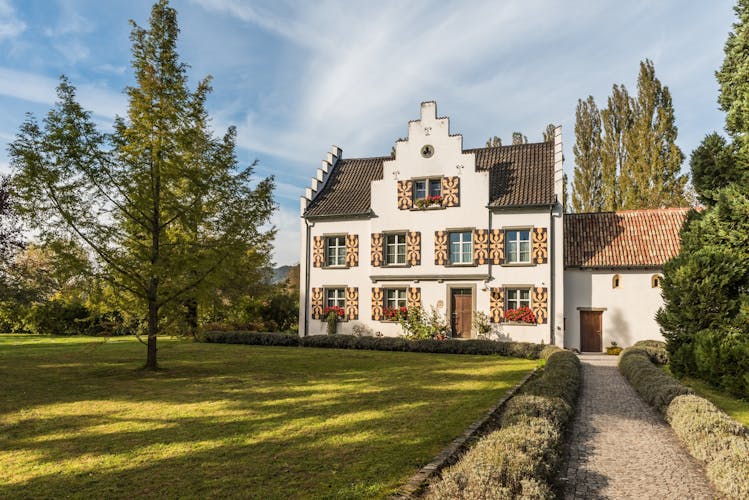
36 88
10 25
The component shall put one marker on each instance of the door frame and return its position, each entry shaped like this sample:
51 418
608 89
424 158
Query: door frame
449 303
589 310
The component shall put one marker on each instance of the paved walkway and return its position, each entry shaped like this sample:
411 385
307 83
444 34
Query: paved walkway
621 447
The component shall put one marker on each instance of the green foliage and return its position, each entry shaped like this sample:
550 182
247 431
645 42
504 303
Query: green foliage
470 346
709 434
161 202
715 164
418 324
626 155
587 177
705 317
521 459
733 78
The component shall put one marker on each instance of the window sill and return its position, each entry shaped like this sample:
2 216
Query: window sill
336 267
422 209
519 264
468 264
518 323
395 266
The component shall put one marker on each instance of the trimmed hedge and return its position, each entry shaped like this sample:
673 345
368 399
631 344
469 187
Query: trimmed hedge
522 457
709 434
471 346
656 350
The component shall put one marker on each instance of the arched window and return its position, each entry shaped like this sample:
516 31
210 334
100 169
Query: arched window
616 281
655 281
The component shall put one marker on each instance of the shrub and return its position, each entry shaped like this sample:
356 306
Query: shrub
709 434
252 338
520 460
59 317
472 346
655 349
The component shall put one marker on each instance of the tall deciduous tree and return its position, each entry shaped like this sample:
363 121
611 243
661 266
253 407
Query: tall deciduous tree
493 142
519 138
160 201
650 177
548 134
617 120
587 194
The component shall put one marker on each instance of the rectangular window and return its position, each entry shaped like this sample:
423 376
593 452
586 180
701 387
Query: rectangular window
427 188
335 297
518 249
395 249
518 297
335 251
461 247
395 298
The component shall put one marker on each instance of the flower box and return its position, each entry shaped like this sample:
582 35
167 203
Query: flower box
522 315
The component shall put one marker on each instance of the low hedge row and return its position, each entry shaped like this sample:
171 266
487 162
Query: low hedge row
709 434
656 350
522 457
472 346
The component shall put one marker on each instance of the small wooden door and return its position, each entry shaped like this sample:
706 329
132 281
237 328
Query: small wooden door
461 307
591 335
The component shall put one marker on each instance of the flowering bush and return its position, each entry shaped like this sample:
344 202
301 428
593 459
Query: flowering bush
338 311
395 313
521 315
428 201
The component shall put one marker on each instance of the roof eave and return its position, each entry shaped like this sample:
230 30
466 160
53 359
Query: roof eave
356 215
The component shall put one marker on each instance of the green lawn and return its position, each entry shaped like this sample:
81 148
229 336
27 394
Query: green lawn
738 409
79 419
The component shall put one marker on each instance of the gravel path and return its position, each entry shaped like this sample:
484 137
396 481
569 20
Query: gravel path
622 448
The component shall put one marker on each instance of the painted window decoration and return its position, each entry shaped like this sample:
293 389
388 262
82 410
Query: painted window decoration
540 250
316 303
496 305
480 246
318 251
655 281
539 304
497 246
413 248
377 257
405 194
616 281
451 191
395 249
427 193
352 250
461 247
518 246
352 303
335 251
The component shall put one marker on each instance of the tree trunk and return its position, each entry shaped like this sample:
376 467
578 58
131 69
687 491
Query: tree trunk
192 316
153 327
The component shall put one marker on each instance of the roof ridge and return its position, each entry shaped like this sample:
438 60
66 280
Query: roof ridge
632 210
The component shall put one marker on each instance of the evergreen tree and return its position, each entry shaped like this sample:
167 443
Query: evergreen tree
715 164
161 201
493 142
733 79
649 177
587 195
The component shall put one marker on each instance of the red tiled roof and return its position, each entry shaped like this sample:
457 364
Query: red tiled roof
630 238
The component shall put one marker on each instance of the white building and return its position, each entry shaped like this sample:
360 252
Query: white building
465 231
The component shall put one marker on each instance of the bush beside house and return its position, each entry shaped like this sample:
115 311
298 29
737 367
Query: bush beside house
709 434
522 457
448 346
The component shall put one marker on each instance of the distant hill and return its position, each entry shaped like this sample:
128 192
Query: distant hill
279 273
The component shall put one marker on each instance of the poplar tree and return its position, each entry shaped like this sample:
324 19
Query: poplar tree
649 176
548 133
587 195
493 142
161 202
617 120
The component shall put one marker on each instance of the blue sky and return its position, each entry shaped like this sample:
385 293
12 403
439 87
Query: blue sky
296 77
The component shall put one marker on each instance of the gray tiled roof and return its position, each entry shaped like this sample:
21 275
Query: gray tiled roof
347 191
519 175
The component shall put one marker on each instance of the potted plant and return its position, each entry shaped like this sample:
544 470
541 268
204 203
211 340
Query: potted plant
434 200
613 349
520 315
332 315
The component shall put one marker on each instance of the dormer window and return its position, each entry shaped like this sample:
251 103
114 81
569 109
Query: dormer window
426 190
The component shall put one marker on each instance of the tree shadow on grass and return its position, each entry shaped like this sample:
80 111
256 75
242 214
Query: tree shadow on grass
254 422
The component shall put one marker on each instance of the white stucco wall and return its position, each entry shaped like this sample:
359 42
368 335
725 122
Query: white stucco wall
448 161
628 311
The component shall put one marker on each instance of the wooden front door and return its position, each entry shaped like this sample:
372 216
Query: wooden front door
461 307
591 334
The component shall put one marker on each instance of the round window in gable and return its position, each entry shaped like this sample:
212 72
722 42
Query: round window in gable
427 151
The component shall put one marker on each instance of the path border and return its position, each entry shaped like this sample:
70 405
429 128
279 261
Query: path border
418 482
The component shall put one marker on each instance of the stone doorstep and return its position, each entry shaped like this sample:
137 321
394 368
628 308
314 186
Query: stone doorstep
418 482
